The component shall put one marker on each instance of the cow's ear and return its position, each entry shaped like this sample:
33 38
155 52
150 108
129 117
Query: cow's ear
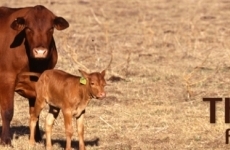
18 24
60 23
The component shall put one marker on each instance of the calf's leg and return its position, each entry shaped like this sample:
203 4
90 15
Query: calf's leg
80 130
37 134
52 115
39 105
68 127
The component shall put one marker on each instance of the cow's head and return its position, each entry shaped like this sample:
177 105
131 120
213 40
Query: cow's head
96 82
38 26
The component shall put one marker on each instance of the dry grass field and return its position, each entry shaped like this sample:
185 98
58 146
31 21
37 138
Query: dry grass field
167 56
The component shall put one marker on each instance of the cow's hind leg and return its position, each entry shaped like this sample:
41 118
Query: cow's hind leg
52 115
25 90
25 87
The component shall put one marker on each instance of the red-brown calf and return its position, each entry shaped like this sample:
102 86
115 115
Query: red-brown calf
69 93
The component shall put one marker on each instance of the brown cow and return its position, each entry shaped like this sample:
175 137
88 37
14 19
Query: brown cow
26 44
69 93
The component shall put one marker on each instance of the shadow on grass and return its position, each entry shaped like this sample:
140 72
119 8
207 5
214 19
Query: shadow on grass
17 131
75 144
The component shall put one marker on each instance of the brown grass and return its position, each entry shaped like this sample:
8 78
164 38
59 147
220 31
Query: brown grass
167 56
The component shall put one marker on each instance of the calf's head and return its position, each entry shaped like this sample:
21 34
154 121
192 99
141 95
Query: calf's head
96 83
38 26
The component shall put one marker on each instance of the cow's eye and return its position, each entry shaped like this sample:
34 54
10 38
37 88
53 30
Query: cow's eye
92 83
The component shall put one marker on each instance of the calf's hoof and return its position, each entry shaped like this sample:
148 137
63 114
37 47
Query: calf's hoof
38 138
32 142
48 147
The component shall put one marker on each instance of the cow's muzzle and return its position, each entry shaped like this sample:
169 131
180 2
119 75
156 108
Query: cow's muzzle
40 52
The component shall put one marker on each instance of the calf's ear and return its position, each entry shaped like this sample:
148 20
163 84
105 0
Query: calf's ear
18 24
84 74
60 23
103 73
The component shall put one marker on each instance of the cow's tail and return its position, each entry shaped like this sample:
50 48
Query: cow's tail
25 86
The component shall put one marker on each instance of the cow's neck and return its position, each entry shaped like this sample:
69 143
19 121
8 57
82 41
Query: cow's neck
38 65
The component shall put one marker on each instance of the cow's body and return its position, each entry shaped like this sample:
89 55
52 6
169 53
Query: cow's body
26 44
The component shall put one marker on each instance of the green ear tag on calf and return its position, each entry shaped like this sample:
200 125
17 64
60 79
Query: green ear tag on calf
83 80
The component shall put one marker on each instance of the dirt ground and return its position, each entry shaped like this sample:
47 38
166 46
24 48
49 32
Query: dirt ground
167 56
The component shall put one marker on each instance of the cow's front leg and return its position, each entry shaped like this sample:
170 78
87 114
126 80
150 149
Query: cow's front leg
37 137
7 110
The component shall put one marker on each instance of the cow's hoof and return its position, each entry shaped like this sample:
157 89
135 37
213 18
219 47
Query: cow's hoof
6 141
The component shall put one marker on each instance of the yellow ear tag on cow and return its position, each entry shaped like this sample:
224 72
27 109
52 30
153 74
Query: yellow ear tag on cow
83 80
